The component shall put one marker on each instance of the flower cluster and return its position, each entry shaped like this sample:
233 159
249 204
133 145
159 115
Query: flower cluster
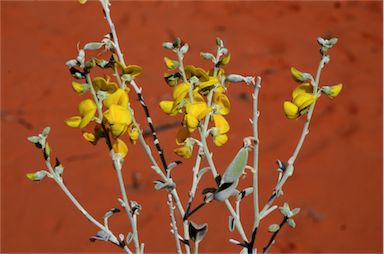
304 95
109 106
199 95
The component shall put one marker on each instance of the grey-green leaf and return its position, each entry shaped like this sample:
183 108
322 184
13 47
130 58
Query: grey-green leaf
291 223
273 228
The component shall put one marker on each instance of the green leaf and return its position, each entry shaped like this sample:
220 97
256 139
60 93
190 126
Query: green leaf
273 228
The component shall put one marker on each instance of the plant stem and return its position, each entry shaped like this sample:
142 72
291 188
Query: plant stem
60 183
272 239
289 170
127 207
173 223
256 154
237 221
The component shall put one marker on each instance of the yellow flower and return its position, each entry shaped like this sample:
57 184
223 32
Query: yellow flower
302 99
90 137
220 123
180 91
120 147
296 74
220 140
184 151
291 110
104 84
196 111
170 64
222 101
206 86
199 73
335 90
226 59
133 132
87 109
119 97
79 88
82 1
132 70
119 118
168 107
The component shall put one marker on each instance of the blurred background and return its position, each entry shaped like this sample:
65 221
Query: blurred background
338 178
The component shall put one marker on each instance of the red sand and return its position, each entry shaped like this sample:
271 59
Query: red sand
338 177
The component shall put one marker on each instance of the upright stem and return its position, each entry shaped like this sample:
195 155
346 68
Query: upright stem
256 154
289 170
127 207
173 223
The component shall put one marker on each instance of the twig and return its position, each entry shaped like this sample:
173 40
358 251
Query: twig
272 239
173 223
289 170
112 238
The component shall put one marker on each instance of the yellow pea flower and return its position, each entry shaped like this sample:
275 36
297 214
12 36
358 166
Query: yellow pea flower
184 151
133 132
170 64
180 91
82 1
119 118
73 121
220 140
226 59
291 110
207 85
120 147
220 123
196 111
167 107
119 97
87 109
132 70
305 88
79 88
191 122
302 101
335 90
90 137
200 73
104 84
222 101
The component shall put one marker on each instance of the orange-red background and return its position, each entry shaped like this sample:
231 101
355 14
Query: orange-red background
338 176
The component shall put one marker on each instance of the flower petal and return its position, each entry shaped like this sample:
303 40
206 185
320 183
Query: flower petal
119 97
118 129
87 109
222 101
304 100
303 88
220 140
167 107
198 109
117 114
90 137
191 122
120 147
73 121
221 123
335 90
184 151
290 110
180 91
